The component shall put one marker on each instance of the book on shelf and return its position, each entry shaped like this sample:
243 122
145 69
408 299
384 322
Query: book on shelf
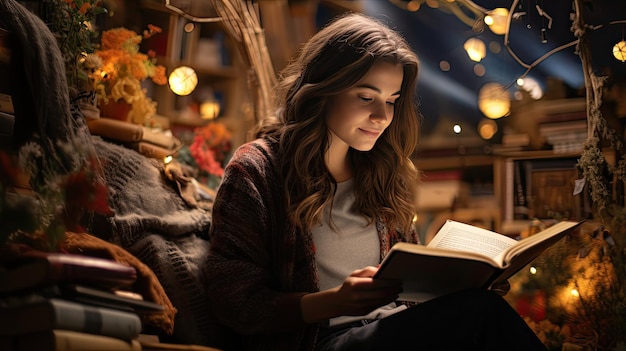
39 269
116 299
461 256
35 313
66 340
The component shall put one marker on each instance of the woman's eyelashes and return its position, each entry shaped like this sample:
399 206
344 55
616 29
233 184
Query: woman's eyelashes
370 99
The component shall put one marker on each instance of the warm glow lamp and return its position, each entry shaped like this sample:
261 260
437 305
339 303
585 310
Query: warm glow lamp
183 80
494 101
487 128
497 19
619 51
210 109
475 49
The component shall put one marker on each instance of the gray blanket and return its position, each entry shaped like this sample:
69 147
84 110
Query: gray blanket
156 225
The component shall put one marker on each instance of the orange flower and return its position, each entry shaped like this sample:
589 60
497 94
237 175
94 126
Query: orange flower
152 30
122 61
83 9
159 75
119 39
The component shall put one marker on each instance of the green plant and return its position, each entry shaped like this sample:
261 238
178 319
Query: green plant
72 22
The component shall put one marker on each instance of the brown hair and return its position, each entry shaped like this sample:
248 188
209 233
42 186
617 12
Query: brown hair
335 59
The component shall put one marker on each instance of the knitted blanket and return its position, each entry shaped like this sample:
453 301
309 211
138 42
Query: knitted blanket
41 96
156 225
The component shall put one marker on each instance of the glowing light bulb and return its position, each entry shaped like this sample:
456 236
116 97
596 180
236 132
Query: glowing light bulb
494 100
619 51
496 19
475 49
183 80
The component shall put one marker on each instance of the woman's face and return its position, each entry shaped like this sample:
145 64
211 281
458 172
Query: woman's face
357 117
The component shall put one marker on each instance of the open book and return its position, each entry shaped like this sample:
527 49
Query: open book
462 256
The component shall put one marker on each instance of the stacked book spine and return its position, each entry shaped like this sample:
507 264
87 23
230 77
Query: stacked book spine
58 301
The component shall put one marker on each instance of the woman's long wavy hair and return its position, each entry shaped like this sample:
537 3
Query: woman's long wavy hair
334 60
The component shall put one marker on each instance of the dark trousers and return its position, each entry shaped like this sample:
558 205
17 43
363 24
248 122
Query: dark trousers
469 320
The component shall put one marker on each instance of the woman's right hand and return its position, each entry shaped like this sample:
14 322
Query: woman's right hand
358 295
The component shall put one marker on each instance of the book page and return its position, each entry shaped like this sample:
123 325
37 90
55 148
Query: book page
464 237
531 247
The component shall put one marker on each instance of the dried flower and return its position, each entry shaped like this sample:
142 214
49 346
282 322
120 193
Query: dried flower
54 207
123 68
207 152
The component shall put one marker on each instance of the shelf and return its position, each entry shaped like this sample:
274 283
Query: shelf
536 154
453 162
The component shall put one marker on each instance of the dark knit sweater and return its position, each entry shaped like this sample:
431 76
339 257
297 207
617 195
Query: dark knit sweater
259 265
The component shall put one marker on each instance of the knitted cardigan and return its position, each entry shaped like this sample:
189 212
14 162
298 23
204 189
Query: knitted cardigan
259 265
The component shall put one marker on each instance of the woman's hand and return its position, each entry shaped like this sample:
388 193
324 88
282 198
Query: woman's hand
358 295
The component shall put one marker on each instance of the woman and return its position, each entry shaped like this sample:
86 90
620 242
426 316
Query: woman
307 211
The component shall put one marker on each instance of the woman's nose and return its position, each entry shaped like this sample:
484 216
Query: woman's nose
381 112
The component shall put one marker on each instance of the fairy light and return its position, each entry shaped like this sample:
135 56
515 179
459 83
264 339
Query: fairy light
574 293
533 270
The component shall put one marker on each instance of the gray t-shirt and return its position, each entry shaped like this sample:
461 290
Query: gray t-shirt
351 245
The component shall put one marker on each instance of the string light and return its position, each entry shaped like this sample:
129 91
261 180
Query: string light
619 51
475 49
497 19
183 80
494 100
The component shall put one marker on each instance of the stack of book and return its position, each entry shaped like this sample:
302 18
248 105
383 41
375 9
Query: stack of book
58 301
150 142
564 124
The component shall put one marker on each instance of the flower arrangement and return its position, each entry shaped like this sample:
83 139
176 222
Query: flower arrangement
207 151
118 68
42 217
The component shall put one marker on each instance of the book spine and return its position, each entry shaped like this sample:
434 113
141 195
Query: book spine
67 340
151 151
52 268
48 314
95 320
116 130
